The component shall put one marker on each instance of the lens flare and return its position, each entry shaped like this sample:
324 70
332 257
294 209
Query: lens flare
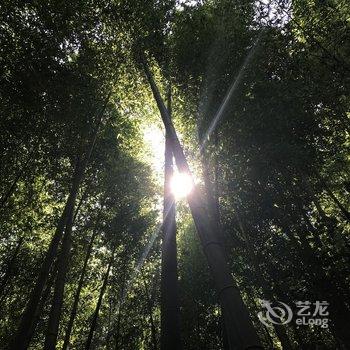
181 185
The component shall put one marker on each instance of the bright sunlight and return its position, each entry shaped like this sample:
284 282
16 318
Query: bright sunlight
181 185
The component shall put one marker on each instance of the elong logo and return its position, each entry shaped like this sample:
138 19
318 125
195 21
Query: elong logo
308 313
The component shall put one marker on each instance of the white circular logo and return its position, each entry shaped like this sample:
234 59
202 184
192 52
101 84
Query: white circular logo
279 314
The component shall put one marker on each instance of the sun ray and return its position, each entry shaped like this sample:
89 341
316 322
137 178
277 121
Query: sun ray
181 185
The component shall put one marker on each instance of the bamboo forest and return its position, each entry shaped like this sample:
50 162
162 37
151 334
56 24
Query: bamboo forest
174 175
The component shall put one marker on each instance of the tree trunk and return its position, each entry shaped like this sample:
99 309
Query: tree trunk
210 188
78 291
122 291
64 258
99 303
212 196
310 227
150 312
10 266
21 339
80 203
11 190
280 329
13 186
63 263
240 330
43 299
269 339
325 288
170 320
345 213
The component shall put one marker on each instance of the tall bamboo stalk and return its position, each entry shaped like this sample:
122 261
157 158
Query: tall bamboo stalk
239 327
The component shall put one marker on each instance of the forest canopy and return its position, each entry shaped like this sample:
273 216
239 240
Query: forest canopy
174 174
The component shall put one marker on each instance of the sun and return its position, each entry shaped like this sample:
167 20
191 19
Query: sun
181 185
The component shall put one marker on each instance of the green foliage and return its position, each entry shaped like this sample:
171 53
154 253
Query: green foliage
277 161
